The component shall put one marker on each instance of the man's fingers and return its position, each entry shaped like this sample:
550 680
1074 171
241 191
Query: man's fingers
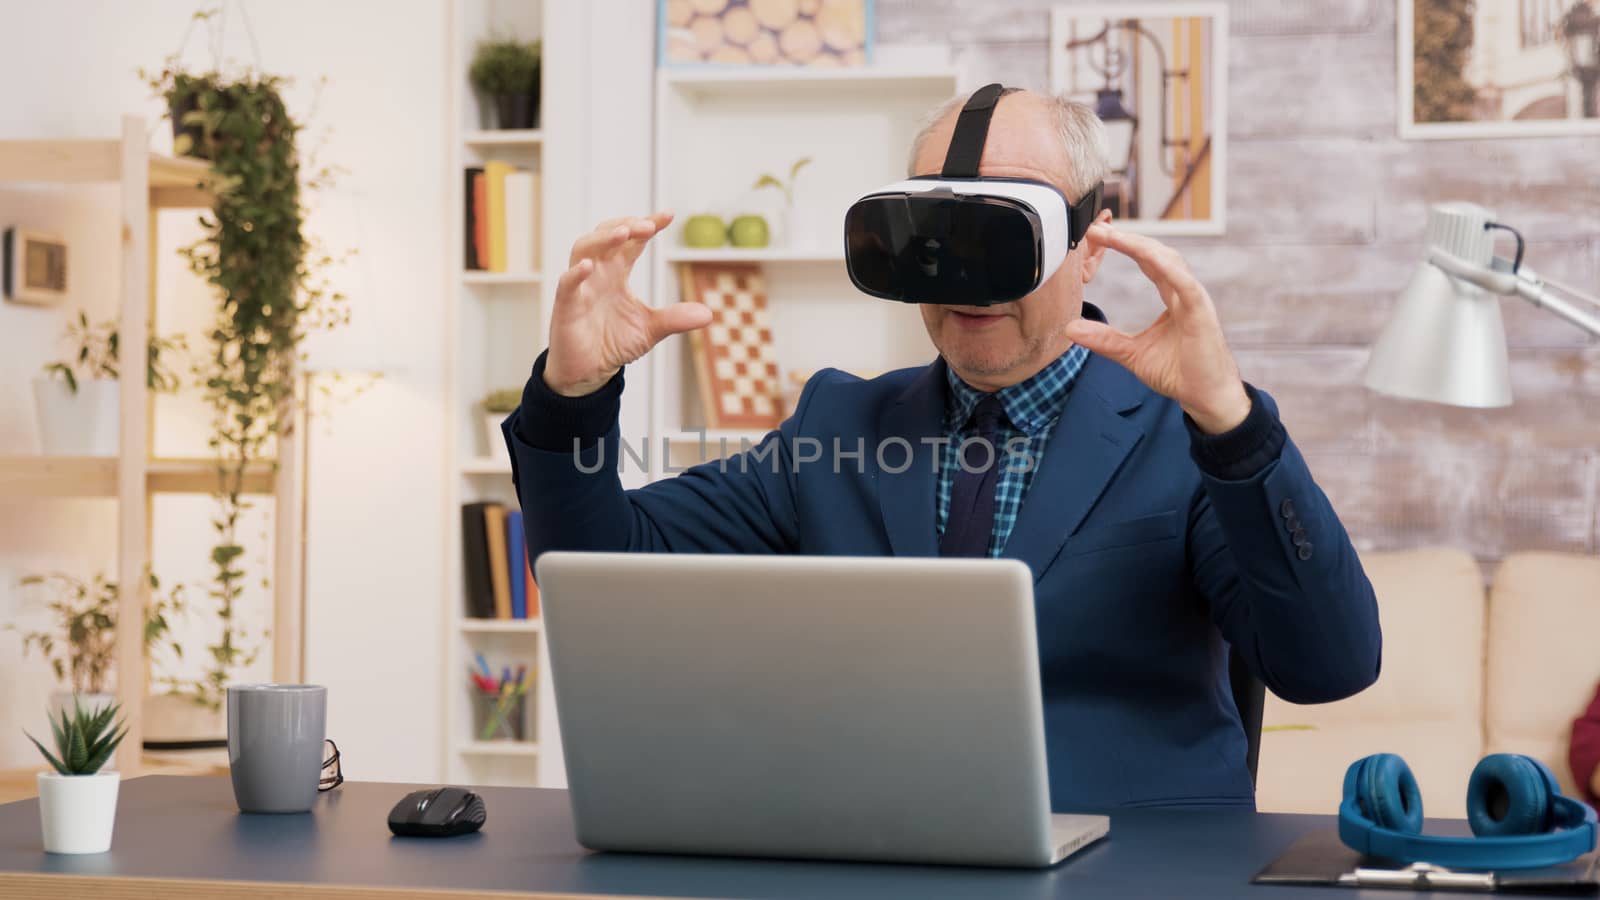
574 276
1159 263
1102 340
676 319
599 242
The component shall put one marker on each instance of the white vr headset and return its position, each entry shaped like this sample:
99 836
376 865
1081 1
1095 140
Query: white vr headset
959 237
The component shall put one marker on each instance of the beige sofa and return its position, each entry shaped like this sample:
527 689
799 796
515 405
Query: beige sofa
1465 672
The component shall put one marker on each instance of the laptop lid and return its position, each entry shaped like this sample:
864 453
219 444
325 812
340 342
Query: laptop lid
826 707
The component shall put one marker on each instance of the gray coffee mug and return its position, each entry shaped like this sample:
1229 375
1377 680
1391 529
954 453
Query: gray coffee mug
275 734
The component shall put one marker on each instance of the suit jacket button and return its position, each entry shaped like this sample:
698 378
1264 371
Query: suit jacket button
1299 537
1291 526
1286 508
1305 550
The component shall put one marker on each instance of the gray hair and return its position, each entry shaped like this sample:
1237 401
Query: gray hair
1081 132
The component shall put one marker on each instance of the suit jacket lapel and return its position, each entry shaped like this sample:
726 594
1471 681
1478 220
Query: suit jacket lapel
1090 441
907 497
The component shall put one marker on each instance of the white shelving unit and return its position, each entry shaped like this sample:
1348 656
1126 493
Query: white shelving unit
715 132
497 327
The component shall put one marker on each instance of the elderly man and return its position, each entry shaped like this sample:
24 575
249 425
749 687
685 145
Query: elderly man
1166 515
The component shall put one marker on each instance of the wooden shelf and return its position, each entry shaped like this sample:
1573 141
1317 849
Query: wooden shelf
501 277
501 626
498 748
174 182
510 137
767 79
760 255
199 476
485 465
96 476
58 476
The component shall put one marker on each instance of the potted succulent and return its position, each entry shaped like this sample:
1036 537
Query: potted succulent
76 399
496 406
507 72
78 802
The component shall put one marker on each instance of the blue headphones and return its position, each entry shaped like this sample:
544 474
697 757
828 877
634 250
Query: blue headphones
1514 805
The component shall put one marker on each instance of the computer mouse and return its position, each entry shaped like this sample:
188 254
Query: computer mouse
439 812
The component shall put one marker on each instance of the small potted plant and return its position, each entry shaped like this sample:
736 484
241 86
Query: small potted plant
496 406
78 802
786 232
77 401
82 644
507 72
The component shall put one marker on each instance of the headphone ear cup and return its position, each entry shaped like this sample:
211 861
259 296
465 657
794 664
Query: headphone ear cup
1388 794
1509 795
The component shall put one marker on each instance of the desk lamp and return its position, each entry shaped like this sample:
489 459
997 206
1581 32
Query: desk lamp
1444 341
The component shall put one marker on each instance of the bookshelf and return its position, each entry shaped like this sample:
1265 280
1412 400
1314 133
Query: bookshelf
148 183
716 130
496 329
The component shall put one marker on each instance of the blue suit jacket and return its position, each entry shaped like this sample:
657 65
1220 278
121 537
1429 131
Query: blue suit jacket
1143 565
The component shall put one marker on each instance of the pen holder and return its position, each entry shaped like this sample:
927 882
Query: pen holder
499 719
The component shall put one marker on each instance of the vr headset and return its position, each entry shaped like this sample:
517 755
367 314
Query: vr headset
959 237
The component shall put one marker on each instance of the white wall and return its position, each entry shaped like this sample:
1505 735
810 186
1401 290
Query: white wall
374 564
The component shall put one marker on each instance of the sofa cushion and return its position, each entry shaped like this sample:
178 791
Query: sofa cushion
1544 654
1427 704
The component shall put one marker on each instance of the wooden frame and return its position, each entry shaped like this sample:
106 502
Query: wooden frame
1405 97
1209 143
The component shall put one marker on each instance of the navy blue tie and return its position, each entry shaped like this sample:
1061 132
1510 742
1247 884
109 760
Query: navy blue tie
971 520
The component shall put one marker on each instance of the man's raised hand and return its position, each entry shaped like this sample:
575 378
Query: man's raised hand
597 325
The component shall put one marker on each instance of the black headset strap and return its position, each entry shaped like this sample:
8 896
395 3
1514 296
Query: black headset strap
972 128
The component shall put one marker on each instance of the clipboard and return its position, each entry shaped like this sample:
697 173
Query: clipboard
1321 859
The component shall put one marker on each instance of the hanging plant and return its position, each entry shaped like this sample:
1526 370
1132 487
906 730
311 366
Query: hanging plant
268 277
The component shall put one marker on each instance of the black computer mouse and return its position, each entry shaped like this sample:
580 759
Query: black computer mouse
439 812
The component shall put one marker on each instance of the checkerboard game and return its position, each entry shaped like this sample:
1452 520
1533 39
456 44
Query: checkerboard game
738 373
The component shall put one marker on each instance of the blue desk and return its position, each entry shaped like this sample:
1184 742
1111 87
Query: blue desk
182 837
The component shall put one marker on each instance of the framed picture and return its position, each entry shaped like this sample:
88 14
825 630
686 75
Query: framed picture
1157 75
1498 68
734 363
34 267
822 33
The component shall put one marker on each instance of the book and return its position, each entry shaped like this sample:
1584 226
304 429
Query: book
469 198
480 219
519 221
518 558
475 562
494 521
496 171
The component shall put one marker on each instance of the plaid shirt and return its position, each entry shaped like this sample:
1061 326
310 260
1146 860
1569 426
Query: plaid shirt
1033 407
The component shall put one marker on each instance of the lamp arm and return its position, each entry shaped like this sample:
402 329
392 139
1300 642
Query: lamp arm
1535 292
1522 284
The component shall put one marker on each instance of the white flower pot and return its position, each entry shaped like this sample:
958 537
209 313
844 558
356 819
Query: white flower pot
77 812
77 424
494 442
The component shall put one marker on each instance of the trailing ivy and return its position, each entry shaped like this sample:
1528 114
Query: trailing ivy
267 277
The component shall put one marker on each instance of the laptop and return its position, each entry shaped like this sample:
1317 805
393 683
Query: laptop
871 709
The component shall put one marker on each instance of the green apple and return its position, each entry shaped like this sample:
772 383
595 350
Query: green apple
749 231
704 231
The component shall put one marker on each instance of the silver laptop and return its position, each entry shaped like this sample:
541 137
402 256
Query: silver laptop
880 710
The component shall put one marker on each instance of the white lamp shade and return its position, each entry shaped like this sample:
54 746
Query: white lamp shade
1444 343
